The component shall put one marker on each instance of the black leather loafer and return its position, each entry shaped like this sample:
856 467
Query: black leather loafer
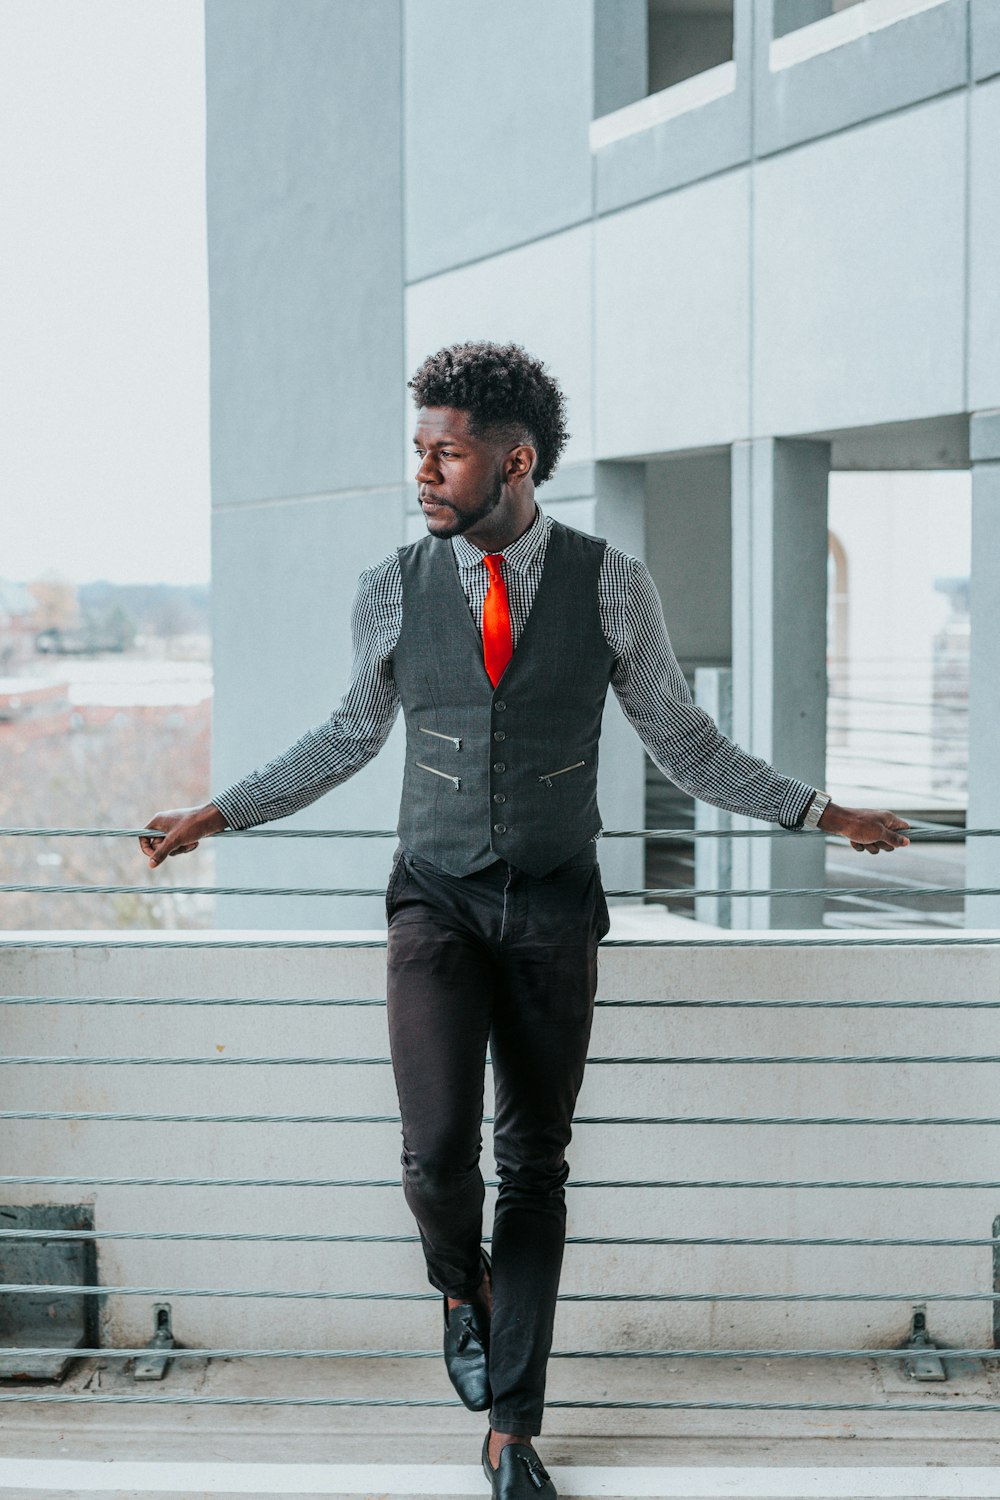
520 1474
467 1350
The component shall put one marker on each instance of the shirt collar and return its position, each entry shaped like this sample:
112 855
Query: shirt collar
520 555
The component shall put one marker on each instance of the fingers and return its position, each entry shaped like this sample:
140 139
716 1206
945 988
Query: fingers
151 844
161 849
875 831
159 843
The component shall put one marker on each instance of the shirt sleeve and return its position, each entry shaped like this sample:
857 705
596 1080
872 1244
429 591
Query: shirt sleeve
357 728
682 739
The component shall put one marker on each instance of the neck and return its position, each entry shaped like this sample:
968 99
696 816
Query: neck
497 532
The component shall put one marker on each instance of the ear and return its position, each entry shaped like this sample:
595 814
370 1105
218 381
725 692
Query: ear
519 463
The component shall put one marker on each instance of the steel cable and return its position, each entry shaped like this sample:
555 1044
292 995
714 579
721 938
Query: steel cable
183 942
842 892
46 1350
102 1398
668 1060
668 1003
740 1241
32 1288
157 1117
918 829
58 1179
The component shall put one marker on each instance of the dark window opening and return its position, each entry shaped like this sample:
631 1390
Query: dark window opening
687 37
792 15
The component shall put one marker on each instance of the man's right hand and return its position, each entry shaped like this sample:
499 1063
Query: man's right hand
179 831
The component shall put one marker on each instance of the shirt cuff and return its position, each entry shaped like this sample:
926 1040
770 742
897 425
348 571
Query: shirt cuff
795 804
238 808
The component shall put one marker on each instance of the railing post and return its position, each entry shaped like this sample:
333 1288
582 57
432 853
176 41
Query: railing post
713 858
982 864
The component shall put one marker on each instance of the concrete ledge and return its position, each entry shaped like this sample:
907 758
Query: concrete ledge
840 28
919 56
42 1478
122 1453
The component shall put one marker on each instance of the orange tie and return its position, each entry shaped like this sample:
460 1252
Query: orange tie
498 645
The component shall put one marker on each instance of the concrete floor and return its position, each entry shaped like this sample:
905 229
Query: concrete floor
49 1450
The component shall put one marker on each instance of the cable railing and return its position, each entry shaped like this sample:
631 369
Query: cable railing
633 1079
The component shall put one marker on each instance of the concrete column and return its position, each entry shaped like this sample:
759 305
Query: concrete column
620 515
983 855
779 500
308 403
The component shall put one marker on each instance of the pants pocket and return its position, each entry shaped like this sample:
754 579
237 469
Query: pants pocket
398 877
602 917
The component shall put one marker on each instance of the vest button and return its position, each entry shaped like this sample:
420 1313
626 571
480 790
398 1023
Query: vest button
498 765
499 707
499 734
499 797
499 827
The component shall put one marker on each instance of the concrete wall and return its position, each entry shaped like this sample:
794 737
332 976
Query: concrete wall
306 246
750 972
485 85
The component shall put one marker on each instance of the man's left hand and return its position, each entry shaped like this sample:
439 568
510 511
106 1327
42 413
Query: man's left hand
865 828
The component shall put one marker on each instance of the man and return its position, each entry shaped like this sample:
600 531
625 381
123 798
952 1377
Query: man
499 634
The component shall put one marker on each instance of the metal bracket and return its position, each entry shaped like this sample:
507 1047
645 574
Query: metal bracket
153 1366
921 1360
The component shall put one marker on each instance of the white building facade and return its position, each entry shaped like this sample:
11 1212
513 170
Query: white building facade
777 264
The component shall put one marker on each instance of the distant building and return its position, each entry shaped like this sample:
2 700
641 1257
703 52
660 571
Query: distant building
33 708
102 696
57 604
18 623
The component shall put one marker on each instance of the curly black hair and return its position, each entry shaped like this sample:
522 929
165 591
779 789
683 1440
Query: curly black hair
504 390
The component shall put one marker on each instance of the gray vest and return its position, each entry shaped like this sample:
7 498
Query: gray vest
507 772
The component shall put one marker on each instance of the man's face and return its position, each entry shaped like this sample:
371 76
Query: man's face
460 478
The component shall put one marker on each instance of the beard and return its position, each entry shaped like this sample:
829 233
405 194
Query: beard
468 518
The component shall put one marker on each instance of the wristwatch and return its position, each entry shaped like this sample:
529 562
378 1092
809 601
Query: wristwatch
816 809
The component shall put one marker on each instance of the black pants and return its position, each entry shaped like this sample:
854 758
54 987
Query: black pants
504 958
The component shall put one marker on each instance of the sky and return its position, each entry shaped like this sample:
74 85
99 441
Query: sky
104 453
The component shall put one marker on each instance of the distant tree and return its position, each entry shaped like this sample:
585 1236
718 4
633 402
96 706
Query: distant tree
172 616
110 629
158 609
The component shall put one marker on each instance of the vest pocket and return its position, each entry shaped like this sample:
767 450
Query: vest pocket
452 739
550 775
456 781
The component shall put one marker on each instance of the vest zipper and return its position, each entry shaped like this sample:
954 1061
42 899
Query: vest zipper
549 775
452 739
455 779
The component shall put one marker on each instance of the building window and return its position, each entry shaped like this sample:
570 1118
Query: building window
656 59
687 37
792 15
807 28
